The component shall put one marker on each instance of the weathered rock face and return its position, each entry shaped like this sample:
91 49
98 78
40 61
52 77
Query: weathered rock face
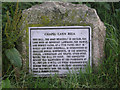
67 14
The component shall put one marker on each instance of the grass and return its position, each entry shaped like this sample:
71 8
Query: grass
105 78
108 75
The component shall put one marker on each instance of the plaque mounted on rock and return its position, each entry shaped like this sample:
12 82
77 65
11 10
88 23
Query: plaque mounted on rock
77 18
59 50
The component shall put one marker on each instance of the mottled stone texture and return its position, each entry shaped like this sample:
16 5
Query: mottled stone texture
60 13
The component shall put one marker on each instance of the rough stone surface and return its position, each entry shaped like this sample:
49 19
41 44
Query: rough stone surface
74 15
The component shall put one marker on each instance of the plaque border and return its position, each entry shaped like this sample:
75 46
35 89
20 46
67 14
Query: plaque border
59 27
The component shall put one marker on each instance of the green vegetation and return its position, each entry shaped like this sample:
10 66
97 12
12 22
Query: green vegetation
12 33
108 75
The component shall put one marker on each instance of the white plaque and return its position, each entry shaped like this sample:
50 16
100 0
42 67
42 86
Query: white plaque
59 50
